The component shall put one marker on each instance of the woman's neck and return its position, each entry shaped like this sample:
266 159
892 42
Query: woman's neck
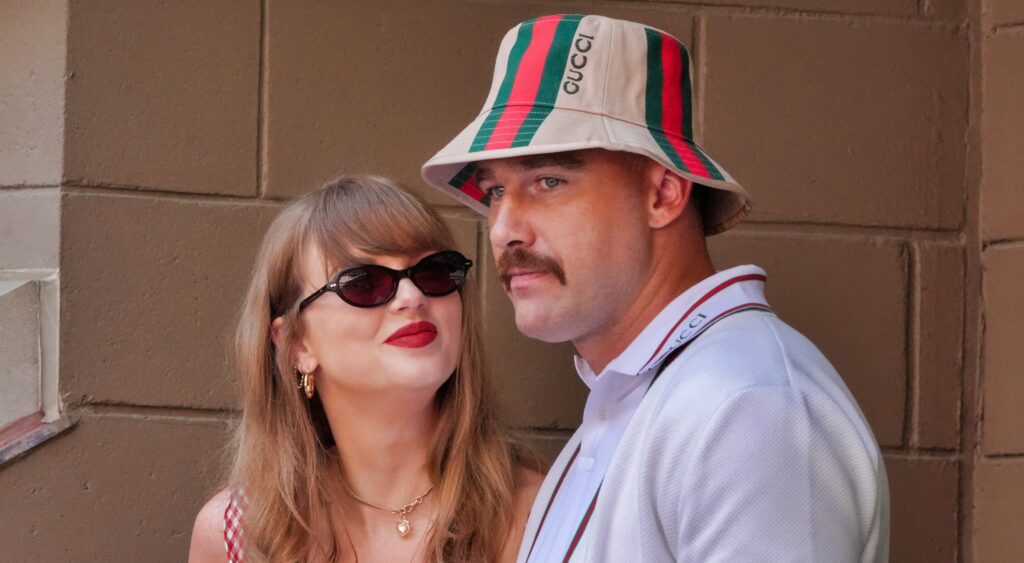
383 445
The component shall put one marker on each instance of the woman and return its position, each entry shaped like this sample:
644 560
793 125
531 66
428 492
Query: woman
368 431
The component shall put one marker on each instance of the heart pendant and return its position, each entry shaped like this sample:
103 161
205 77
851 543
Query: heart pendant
403 527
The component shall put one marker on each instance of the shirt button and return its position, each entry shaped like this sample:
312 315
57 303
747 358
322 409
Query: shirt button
602 413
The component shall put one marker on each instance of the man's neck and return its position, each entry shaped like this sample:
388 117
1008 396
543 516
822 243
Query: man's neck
666 282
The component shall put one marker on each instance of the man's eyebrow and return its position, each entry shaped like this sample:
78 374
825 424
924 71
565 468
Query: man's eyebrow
560 159
568 161
481 174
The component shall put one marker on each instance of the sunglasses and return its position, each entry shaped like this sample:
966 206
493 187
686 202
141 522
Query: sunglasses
371 285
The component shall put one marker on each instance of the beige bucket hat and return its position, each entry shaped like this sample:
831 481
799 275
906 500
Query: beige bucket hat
567 82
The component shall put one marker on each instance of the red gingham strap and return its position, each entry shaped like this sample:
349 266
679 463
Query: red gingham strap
233 529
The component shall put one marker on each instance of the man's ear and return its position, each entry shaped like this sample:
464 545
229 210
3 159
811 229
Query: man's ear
670 196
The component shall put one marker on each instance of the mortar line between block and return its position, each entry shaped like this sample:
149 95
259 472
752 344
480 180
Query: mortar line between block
153 412
1005 456
806 228
1008 27
28 188
547 432
913 16
930 455
700 41
261 105
913 389
148 193
999 243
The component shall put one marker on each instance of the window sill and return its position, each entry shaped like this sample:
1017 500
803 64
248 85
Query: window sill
20 436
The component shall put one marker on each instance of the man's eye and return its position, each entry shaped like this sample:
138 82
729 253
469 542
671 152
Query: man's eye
495 192
551 182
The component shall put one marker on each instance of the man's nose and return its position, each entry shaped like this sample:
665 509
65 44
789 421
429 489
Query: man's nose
510 224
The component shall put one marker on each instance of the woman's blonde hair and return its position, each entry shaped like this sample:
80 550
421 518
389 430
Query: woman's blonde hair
283 444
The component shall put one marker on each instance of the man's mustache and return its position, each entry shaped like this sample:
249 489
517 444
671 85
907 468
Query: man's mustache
522 258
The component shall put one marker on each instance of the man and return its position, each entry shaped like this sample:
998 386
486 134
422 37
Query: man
713 431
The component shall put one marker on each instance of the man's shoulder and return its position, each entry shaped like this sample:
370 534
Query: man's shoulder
753 348
749 351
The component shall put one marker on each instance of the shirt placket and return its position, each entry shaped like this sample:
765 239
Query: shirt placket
596 417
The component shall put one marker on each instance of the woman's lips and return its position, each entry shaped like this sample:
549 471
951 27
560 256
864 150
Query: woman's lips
413 335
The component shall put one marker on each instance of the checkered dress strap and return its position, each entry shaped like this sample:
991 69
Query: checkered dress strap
233 527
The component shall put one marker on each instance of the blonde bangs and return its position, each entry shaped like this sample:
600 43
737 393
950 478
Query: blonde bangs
361 219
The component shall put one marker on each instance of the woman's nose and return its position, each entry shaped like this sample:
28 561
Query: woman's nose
408 296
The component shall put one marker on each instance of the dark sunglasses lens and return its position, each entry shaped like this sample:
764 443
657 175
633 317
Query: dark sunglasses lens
440 274
366 286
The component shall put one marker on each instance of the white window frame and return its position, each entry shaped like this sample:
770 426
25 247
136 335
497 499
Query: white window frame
19 436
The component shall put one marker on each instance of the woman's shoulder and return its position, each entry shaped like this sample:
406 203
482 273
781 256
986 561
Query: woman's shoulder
528 475
528 482
208 531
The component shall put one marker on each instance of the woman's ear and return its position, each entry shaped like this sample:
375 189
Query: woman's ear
304 360
275 331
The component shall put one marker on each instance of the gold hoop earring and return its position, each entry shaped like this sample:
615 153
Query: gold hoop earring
307 383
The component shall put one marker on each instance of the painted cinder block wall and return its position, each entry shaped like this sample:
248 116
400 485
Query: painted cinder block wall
145 146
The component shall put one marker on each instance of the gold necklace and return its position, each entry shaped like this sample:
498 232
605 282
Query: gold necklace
403 526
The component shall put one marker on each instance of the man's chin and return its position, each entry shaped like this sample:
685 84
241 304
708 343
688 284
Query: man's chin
543 327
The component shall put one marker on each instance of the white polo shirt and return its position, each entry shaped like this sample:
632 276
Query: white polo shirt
620 491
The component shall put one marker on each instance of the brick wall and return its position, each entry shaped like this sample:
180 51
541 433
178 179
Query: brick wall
998 477
879 138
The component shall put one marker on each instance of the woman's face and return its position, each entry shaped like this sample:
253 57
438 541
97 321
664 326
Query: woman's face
410 343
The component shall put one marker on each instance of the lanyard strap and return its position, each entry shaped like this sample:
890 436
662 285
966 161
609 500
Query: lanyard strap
727 297
668 358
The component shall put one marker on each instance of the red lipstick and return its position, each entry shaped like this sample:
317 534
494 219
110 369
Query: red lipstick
413 335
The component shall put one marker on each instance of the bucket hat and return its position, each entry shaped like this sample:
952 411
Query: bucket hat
569 82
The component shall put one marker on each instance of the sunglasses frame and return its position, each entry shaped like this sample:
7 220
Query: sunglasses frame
397 276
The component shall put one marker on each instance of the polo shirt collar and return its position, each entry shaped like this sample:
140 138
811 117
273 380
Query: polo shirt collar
652 341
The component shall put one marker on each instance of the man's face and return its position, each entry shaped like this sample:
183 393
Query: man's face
570 235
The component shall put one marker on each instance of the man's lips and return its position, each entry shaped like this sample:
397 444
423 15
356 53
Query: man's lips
520 277
413 335
524 272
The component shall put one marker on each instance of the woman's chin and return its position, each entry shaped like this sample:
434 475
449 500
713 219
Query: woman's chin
399 377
